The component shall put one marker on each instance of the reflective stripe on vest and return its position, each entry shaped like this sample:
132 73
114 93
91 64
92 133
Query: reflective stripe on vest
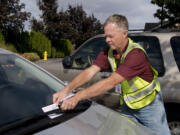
140 94
137 92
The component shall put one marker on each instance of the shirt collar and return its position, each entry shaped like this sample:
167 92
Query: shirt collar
124 49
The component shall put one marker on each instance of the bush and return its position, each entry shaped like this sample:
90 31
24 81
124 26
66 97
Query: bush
10 47
24 43
40 43
53 52
2 41
3 45
66 47
59 54
31 56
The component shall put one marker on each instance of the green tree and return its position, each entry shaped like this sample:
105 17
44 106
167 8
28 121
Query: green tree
169 10
82 26
72 24
50 19
37 25
23 44
12 19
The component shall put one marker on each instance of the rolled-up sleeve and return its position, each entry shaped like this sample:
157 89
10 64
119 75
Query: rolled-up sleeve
102 60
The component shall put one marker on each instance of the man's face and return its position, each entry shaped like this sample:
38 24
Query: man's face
115 37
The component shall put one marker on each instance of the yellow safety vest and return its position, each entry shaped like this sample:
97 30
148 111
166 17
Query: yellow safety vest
137 92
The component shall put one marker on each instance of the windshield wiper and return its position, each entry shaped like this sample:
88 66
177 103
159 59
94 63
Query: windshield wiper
81 106
41 120
21 122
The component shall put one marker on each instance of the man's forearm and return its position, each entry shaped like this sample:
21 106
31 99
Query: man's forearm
100 87
82 78
95 90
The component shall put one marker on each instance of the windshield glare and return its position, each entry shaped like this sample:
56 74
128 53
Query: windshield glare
24 88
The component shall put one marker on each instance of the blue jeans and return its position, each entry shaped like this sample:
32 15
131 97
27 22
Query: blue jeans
152 116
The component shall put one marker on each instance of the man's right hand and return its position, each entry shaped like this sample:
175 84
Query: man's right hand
58 96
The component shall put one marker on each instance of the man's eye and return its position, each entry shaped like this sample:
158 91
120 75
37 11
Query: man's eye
108 36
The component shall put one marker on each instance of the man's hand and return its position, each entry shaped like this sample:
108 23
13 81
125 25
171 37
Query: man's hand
69 103
58 96
79 80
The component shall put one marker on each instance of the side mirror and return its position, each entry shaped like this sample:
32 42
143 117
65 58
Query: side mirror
67 62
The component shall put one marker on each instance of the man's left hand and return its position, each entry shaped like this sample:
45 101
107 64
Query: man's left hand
69 103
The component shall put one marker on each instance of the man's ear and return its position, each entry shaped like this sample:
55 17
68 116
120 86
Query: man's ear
125 33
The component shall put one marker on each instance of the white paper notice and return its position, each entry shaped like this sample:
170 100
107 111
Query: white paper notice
55 107
51 108
54 115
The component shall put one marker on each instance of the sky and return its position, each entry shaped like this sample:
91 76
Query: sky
138 12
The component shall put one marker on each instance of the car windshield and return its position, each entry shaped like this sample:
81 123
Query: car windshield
24 88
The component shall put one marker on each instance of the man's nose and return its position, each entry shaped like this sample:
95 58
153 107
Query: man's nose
107 39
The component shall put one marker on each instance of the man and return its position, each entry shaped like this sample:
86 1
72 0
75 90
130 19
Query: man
141 95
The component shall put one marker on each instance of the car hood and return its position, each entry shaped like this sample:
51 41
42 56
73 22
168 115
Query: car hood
97 120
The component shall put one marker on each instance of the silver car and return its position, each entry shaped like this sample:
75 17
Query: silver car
26 88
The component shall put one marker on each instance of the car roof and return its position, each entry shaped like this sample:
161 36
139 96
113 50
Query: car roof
144 33
155 33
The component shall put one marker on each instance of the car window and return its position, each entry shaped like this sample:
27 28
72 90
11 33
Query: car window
24 88
85 55
175 44
152 46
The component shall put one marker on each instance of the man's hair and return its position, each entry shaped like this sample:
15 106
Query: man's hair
120 20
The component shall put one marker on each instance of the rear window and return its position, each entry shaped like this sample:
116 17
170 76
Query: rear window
152 46
175 44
